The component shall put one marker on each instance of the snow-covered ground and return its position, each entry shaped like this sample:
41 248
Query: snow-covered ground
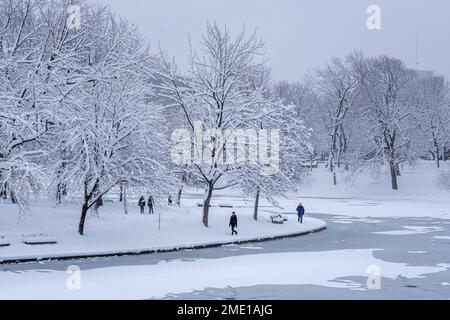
114 232
420 193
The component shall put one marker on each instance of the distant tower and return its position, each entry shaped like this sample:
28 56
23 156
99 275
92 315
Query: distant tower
417 52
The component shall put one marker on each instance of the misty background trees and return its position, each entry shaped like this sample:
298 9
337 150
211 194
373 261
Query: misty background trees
83 110
370 112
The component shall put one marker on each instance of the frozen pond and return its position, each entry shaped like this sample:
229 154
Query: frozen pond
328 265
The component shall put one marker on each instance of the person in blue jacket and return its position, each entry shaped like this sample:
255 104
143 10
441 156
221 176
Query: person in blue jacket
300 212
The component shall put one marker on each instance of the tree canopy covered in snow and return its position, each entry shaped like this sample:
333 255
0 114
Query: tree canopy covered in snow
85 110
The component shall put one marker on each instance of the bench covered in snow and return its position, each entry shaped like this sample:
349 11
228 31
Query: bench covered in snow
278 219
38 239
3 242
225 205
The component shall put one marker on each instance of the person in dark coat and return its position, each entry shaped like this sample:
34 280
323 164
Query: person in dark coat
141 204
169 200
300 212
150 205
233 223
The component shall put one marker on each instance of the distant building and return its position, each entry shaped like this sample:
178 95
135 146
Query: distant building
427 74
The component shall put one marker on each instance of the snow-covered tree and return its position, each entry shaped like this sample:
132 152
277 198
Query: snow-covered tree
306 102
217 94
34 44
111 132
387 112
432 114
338 87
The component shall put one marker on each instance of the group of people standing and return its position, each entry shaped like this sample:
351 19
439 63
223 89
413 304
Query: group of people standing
142 203
150 203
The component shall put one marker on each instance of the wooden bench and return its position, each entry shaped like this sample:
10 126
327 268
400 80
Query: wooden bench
278 219
3 242
38 239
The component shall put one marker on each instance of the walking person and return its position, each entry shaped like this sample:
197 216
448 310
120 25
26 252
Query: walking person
233 223
300 212
150 205
141 204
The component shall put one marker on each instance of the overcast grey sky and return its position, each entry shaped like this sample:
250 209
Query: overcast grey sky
301 35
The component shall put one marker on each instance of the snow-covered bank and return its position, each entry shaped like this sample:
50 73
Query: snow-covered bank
369 195
422 181
113 232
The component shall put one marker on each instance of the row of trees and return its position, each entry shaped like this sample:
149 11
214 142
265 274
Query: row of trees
82 110
226 87
373 111
75 111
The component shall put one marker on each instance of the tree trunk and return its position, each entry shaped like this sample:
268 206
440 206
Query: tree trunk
437 156
58 196
436 150
98 204
184 179
255 212
125 205
61 191
4 191
330 164
87 197
332 169
206 204
121 194
84 210
393 176
12 195
397 170
180 192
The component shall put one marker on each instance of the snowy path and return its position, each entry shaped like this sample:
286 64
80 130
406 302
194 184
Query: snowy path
331 264
406 238
114 233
